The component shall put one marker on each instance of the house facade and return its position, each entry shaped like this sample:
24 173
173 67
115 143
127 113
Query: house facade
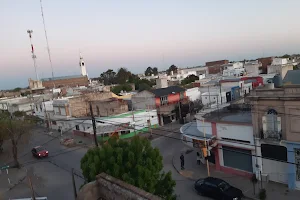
108 107
276 127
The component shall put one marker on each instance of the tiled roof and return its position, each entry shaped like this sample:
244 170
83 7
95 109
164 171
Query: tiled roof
292 77
61 77
166 91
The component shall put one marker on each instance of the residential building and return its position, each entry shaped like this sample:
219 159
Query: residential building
276 125
193 94
253 68
229 134
108 107
108 187
77 106
265 62
62 81
44 110
280 66
125 125
162 82
216 67
164 100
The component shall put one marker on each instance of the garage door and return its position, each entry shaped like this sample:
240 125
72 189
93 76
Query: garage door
237 158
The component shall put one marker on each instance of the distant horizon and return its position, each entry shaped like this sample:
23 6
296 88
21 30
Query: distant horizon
137 34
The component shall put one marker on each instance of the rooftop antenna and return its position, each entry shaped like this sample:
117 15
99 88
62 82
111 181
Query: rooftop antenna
33 55
48 48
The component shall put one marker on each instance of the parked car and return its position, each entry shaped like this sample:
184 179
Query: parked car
217 189
39 152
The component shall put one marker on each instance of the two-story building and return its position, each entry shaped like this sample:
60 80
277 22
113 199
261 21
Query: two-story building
164 100
109 107
276 127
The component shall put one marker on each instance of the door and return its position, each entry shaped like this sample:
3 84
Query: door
237 158
228 96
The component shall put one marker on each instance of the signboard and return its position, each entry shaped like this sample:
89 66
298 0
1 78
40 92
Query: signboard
4 167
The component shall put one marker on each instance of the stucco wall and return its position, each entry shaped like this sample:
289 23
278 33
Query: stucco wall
143 100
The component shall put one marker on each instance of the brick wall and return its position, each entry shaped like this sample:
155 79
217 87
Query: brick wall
108 108
71 82
80 105
215 69
219 62
108 187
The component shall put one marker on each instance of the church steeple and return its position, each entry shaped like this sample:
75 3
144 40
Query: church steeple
82 66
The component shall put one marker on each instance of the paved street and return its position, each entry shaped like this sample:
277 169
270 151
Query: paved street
51 179
55 175
168 147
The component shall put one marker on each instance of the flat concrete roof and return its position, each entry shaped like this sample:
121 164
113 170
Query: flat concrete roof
190 129
229 116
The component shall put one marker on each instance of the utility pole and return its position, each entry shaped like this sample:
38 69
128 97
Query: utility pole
94 125
74 185
206 146
46 116
31 187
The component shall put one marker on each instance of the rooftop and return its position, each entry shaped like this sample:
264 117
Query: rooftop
166 91
292 77
61 78
230 114
191 129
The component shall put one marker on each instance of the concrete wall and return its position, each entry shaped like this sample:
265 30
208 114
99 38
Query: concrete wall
143 100
279 69
108 108
193 93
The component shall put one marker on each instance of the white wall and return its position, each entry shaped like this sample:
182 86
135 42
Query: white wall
193 93
210 98
279 61
236 132
232 84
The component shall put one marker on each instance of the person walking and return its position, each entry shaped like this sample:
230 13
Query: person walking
198 158
182 161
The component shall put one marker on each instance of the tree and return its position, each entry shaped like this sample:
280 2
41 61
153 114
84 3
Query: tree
144 86
124 87
189 79
173 69
286 56
149 71
122 75
108 77
135 162
18 130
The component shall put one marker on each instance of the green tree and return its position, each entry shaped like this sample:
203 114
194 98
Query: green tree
135 162
124 87
144 86
149 71
18 130
108 77
122 75
189 79
173 69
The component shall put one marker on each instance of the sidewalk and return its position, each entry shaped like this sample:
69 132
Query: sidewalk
11 179
194 172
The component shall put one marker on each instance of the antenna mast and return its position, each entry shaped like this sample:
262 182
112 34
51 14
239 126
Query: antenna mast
33 55
48 48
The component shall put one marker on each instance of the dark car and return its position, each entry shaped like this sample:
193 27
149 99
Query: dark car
39 152
217 189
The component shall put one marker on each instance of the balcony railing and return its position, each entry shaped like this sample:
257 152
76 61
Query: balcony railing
273 135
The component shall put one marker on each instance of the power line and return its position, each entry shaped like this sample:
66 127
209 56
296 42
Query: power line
226 149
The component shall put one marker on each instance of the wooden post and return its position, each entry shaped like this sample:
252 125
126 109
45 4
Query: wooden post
94 125
74 185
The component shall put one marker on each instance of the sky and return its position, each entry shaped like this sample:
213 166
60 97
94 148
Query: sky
139 33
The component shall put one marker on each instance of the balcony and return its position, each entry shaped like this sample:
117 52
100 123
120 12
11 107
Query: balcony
271 135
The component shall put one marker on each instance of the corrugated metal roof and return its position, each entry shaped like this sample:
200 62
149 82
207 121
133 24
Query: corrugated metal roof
61 77
292 77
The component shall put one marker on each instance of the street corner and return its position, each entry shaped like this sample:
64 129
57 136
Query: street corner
11 177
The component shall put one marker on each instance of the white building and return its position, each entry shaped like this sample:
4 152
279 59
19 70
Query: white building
193 93
234 69
280 66
253 68
82 66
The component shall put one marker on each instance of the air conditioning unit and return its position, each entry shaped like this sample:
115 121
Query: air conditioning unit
265 177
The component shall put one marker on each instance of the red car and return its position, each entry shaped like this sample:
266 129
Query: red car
39 152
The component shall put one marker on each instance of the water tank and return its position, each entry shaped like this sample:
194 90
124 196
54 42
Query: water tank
277 80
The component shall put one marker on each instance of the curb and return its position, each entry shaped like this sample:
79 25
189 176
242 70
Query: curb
191 179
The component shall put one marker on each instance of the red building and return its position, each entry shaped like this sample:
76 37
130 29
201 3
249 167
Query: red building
256 80
216 67
265 62
218 62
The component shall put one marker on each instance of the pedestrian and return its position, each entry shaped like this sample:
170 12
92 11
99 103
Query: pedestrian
182 161
198 158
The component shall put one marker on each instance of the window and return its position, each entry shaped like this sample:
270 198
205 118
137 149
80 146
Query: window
41 108
54 122
210 184
36 107
77 127
271 120
164 100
